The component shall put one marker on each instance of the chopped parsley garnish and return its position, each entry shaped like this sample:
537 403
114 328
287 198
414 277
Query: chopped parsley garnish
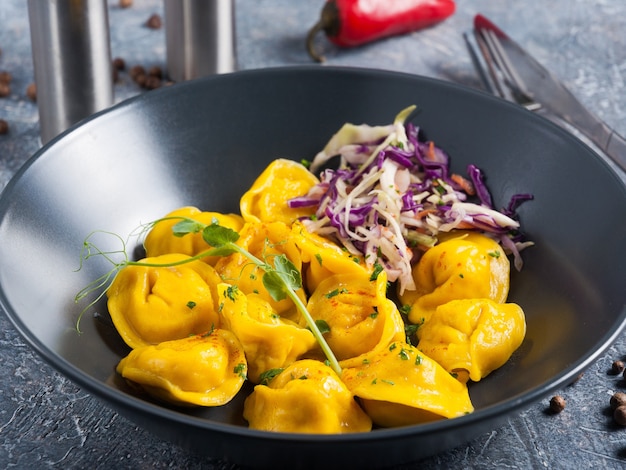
405 309
336 292
378 268
240 369
404 355
231 292
267 376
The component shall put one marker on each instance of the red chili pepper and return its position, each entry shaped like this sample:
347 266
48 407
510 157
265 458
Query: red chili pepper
349 23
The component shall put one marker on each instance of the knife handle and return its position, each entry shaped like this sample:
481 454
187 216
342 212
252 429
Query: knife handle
616 149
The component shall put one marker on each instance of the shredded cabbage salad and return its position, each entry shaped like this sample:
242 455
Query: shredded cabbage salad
391 195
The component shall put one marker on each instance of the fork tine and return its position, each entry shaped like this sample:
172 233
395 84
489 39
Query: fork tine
496 70
503 62
490 61
510 75
479 62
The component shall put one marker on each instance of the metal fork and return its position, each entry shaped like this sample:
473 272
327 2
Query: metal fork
495 69
491 60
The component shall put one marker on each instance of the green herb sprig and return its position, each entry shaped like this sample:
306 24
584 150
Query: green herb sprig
280 278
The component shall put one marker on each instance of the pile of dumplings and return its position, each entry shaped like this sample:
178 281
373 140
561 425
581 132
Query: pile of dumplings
198 330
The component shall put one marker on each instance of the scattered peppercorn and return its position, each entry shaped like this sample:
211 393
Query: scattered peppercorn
155 71
154 22
126 3
119 63
31 91
141 80
5 90
618 399
617 367
137 71
5 77
619 415
557 404
152 82
149 79
4 127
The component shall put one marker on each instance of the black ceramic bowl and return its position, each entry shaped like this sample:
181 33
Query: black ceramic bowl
203 143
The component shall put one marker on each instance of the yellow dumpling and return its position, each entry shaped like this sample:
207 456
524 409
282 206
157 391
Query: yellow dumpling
263 240
204 370
306 397
473 337
268 341
149 305
161 240
400 386
360 316
267 199
322 258
468 266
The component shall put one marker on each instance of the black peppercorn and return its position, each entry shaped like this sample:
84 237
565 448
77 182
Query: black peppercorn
119 63
154 22
5 77
155 71
4 127
617 367
5 90
617 399
137 71
557 404
141 80
31 91
152 82
619 415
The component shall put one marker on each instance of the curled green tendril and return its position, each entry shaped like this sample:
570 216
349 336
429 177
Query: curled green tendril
281 278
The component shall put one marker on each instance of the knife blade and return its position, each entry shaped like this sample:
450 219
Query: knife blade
548 90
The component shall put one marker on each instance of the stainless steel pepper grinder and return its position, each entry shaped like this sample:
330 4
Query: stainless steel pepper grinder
72 61
200 38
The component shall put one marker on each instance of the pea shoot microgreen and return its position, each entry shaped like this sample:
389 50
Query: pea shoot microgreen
322 326
281 278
